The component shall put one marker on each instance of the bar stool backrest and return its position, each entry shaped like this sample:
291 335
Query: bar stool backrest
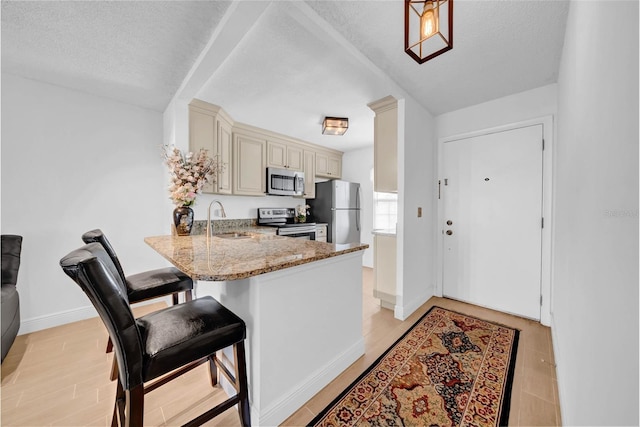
98 236
93 270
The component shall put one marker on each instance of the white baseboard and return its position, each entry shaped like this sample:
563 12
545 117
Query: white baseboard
558 367
56 319
279 411
402 312
63 317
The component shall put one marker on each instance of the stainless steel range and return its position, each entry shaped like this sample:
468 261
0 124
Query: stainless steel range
284 220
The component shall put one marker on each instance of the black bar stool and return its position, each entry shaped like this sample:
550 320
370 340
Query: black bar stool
179 338
149 284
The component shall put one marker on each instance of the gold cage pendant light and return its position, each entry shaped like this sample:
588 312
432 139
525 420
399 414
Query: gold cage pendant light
428 28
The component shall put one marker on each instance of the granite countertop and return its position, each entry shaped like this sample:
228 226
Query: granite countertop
221 259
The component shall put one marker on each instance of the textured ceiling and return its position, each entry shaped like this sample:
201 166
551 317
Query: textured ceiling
286 77
300 60
134 51
500 47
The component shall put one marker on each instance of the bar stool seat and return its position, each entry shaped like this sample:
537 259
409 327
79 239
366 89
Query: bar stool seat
185 332
149 284
157 283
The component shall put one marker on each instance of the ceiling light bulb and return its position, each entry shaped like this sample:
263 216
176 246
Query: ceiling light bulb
428 20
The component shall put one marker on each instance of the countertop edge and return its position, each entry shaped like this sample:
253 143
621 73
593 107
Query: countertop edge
248 274
256 272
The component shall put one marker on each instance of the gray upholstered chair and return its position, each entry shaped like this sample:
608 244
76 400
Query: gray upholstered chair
11 251
149 348
150 284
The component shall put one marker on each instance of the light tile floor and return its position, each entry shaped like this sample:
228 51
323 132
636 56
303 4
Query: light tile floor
60 376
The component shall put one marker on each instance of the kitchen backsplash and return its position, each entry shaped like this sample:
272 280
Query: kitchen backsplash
200 226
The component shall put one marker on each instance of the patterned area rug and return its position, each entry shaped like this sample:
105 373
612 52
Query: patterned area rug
449 369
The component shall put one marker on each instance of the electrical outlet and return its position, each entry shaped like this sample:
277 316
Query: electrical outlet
419 212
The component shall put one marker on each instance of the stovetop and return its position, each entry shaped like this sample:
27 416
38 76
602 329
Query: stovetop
291 224
280 217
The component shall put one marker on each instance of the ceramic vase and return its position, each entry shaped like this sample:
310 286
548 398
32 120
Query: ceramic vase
183 220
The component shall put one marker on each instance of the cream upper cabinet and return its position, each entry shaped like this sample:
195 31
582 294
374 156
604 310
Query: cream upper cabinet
225 156
249 164
385 143
284 155
210 129
328 165
309 174
245 151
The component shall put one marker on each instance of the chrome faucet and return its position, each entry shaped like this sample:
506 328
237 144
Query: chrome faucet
223 215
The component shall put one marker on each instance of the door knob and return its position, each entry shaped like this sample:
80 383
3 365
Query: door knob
449 222
449 232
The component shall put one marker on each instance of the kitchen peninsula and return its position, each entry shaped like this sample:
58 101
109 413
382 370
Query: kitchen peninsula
301 301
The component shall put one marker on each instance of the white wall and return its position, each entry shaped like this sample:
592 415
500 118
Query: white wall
356 167
72 162
595 284
241 207
514 108
416 188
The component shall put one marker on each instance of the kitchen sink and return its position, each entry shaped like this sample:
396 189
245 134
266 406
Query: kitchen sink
233 235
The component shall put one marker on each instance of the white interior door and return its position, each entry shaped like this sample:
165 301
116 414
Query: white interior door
492 194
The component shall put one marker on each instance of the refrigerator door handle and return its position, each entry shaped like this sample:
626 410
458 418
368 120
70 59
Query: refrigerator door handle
358 208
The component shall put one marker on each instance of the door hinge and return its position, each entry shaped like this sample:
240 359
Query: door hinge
439 182
540 299
542 223
542 144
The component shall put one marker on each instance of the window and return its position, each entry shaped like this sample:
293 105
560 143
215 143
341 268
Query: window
385 211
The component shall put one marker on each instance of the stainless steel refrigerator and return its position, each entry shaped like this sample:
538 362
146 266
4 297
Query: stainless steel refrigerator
337 203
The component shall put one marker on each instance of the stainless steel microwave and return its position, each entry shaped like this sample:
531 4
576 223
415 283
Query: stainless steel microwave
285 182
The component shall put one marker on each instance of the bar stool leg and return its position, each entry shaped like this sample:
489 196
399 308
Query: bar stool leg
114 369
134 406
213 370
241 384
118 406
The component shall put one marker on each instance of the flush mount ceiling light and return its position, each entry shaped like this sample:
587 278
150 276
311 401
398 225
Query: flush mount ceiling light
335 125
425 24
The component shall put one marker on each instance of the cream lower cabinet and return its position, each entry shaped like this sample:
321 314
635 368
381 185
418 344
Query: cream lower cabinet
321 233
211 129
249 164
384 269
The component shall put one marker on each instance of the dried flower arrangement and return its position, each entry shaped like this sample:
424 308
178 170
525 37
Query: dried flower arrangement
189 173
